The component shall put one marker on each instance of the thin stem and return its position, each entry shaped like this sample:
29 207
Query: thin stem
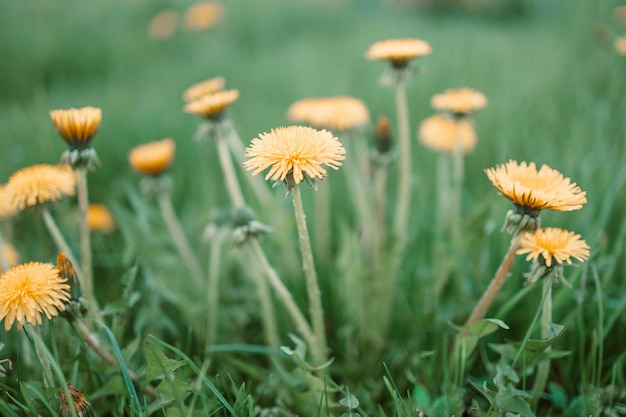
312 285
457 193
43 359
179 238
444 204
543 370
212 290
60 242
85 235
267 311
322 220
283 295
228 169
380 207
404 177
496 283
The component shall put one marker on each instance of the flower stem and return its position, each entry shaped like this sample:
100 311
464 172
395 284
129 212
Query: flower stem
60 242
179 238
85 235
380 207
41 355
228 169
543 370
212 290
496 283
404 177
312 285
457 193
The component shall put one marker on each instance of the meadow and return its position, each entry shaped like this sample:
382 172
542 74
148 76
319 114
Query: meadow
228 344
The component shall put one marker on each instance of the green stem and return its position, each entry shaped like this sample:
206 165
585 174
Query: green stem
61 243
543 370
40 351
312 285
444 204
228 169
85 235
322 220
178 237
380 207
457 194
404 176
213 285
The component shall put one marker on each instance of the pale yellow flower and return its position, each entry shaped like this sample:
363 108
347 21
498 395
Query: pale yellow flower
213 105
398 51
296 151
459 101
28 290
163 25
204 88
552 243
333 113
77 126
7 209
100 219
39 184
443 134
10 255
546 189
203 15
152 158
620 45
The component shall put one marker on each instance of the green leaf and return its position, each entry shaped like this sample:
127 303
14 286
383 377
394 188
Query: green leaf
350 402
509 401
558 395
470 335
421 397
159 365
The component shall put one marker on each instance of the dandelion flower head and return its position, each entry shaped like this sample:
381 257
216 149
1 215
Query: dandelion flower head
203 15
28 290
620 45
459 101
81 405
152 158
553 244
100 219
77 127
39 184
295 151
210 86
443 134
333 113
398 51
546 189
163 25
212 105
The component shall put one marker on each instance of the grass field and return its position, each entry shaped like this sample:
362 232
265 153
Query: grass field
557 95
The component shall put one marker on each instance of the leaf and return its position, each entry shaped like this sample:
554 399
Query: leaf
470 335
421 397
509 401
159 365
558 395
350 402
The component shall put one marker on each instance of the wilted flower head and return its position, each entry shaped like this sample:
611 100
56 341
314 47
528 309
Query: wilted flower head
213 105
553 246
204 88
152 158
28 290
460 101
163 25
398 51
203 15
620 45
100 219
546 189
444 134
333 113
39 184
77 127
383 135
294 151
81 405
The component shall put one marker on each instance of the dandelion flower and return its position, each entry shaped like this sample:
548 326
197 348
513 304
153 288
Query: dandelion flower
39 184
203 15
444 134
152 158
77 127
398 51
7 209
552 243
460 101
28 290
10 255
546 189
296 151
100 219
213 105
163 25
333 113
204 88
620 45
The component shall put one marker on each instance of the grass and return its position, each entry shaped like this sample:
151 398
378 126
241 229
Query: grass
555 96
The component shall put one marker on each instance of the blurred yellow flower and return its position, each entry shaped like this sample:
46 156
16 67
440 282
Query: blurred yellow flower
545 189
39 184
620 15
333 113
550 243
443 134
204 88
100 219
620 45
10 255
7 209
213 105
163 25
459 101
77 127
30 289
398 51
152 158
296 151
203 15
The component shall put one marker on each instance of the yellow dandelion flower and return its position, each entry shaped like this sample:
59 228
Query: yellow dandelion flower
620 15
28 290
163 25
552 243
7 209
333 113
10 255
100 219
39 184
459 101
203 15
443 134
212 105
620 45
81 405
204 88
546 189
152 158
296 151
77 127
398 51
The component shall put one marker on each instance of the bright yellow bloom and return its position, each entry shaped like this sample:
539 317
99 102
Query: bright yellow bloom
295 151
620 45
163 25
39 184
204 88
212 105
203 15
100 219
459 101
77 126
333 113
152 158
30 289
10 255
553 243
545 189
444 134
398 51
